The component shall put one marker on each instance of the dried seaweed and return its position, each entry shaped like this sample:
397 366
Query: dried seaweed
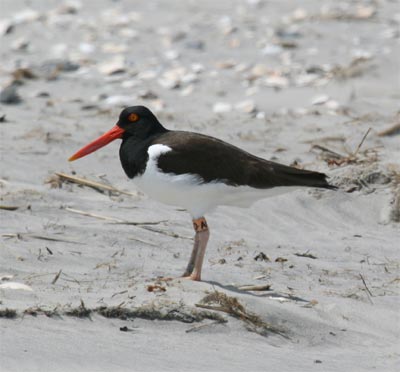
354 157
219 301
149 312
81 311
8 313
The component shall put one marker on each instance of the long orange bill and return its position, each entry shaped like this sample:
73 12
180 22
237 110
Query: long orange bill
114 133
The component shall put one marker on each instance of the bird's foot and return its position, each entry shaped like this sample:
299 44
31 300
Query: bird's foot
192 276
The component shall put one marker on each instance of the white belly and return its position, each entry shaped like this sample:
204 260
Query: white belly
188 192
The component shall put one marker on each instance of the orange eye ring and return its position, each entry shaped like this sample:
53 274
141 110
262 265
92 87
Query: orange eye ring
133 117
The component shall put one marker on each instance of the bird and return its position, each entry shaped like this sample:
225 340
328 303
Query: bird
196 172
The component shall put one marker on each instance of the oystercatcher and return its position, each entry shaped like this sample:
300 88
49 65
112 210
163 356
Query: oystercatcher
195 171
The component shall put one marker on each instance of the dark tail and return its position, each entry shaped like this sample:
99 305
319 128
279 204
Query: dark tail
301 177
266 174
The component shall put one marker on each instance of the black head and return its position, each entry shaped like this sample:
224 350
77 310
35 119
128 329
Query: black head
136 122
139 121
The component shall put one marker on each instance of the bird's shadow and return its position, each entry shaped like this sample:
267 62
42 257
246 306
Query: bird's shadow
266 294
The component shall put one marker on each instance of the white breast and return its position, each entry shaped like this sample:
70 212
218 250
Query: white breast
188 191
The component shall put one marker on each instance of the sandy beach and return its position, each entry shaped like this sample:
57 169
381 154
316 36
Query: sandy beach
305 281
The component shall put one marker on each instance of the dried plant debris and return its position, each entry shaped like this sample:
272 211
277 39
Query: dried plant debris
306 254
262 257
58 179
172 312
392 130
367 178
9 207
357 67
357 156
37 310
80 311
8 313
155 288
219 301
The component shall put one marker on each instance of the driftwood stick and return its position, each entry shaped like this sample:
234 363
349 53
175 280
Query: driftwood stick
168 233
262 287
92 184
331 152
391 131
113 219
88 214
143 225
216 308
9 207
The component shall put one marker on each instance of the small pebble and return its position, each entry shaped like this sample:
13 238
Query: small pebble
222 107
247 106
9 95
119 100
195 44
276 81
320 100
113 66
6 27
20 44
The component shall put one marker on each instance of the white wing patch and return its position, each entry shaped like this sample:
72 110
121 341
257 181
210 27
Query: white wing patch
155 151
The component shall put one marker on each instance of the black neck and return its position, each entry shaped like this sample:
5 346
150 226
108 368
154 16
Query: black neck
133 153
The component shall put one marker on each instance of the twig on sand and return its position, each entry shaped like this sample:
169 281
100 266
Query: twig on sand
88 214
168 233
201 326
143 225
333 154
361 143
305 254
9 207
113 219
367 289
42 237
119 293
93 184
262 287
391 131
143 241
56 277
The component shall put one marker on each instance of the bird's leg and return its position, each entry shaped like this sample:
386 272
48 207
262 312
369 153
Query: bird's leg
193 270
190 264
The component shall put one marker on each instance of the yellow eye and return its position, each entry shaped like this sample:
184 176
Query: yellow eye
133 117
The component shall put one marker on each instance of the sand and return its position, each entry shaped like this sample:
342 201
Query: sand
80 267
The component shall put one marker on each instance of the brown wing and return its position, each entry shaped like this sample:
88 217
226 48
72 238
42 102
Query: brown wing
214 160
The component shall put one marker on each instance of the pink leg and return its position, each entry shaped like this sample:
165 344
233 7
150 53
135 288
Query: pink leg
193 270
190 265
